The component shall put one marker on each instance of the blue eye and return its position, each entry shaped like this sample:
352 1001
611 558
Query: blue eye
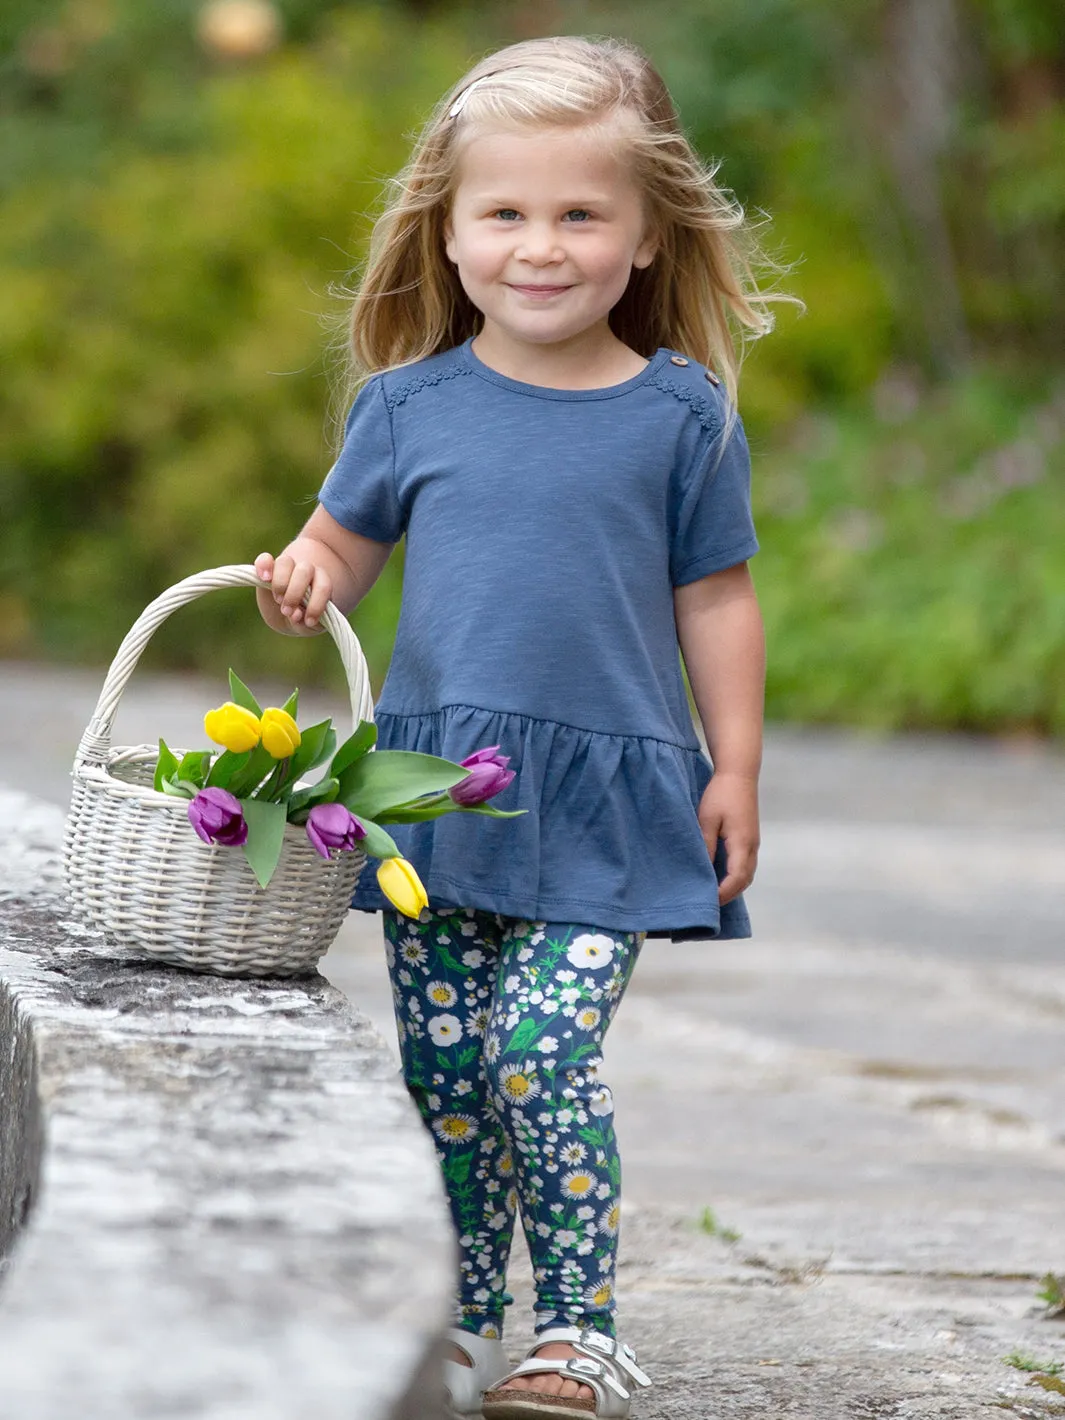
505 214
580 214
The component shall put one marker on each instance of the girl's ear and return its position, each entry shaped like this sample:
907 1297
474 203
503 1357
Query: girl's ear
645 252
449 240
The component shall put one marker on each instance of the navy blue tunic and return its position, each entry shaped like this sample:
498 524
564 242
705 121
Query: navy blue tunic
546 530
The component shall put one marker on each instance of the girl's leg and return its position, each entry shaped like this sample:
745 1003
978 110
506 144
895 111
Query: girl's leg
443 971
557 989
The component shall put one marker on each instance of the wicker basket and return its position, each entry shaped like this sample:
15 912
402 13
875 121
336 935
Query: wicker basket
136 870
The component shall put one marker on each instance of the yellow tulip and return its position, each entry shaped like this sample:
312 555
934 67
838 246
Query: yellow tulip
281 736
232 726
402 886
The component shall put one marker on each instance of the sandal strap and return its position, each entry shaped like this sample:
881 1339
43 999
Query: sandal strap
602 1347
588 1371
597 1345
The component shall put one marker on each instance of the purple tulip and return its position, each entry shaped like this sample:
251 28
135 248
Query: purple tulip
488 776
333 826
217 817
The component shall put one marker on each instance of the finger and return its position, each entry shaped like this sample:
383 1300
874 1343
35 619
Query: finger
282 572
298 584
264 565
321 591
741 864
711 828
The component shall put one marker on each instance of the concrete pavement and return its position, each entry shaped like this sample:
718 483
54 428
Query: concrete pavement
870 1093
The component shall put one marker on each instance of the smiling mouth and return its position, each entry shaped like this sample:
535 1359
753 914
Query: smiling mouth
538 290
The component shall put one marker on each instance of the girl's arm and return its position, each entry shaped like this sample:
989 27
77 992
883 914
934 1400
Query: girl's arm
334 564
719 627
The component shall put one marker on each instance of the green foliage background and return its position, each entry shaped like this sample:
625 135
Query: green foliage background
171 226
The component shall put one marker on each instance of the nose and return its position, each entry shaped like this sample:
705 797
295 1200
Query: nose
539 245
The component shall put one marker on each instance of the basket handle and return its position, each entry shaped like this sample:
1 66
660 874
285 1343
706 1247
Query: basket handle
96 741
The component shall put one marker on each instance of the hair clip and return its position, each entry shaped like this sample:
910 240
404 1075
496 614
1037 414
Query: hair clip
460 103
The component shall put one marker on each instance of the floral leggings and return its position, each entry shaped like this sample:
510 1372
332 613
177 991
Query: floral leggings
501 1024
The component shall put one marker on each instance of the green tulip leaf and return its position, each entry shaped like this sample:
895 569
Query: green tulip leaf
165 766
303 800
195 766
260 763
242 695
266 833
437 807
291 704
177 790
354 747
225 767
489 812
317 743
388 777
377 842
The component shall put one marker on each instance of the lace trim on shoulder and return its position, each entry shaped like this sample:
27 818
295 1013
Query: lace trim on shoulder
402 392
703 408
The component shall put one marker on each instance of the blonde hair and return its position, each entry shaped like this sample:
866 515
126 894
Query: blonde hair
410 303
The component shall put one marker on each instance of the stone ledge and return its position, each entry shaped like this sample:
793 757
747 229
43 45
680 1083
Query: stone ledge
216 1199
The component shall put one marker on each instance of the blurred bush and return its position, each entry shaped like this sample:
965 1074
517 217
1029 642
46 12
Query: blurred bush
171 223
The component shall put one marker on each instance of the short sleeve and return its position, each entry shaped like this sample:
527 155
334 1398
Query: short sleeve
360 488
711 527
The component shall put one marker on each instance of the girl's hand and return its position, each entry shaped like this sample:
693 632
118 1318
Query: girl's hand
728 810
290 580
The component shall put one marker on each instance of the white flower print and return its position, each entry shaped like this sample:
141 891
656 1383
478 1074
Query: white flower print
464 1087
455 1128
469 929
568 995
584 1213
390 953
573 1153
549 1008
603 1191
474 957
433 1102
525 953
477 1021
584 1248
566 1237
591 949
412 950
445 1030
547 1044
579 1183
535 997
490 1330
600 1294
511 984
601 1101
492 1048
517 1084
405 978
497 1220
588 1017
441 993
611 1220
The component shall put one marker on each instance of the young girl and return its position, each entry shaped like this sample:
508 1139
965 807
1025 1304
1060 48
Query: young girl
550 421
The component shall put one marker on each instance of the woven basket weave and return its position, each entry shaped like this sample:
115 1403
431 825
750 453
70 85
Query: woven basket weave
137 871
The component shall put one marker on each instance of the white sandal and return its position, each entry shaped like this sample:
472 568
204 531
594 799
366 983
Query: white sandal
466 1384
604 1364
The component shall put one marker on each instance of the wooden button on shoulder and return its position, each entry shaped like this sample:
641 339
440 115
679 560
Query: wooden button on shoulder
677 360
712 377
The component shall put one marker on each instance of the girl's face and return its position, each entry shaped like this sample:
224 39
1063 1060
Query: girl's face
545 228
